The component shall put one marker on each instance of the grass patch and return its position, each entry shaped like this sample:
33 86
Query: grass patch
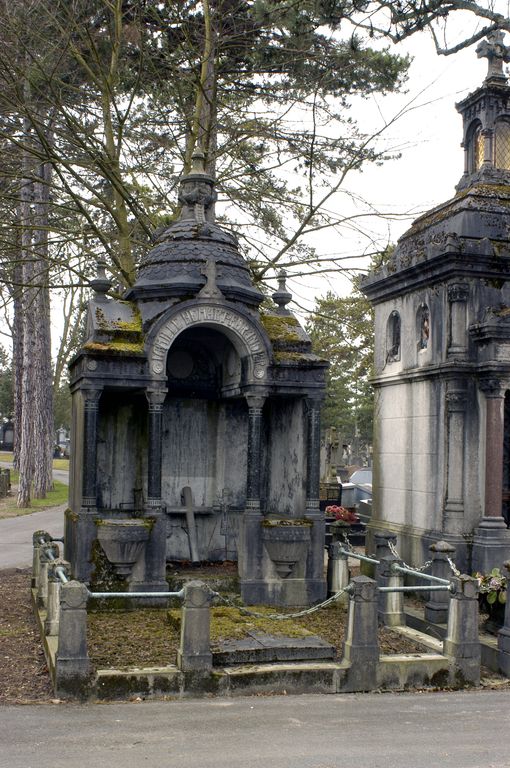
54 498
57 463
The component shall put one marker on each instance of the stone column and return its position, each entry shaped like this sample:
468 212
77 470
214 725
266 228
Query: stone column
72 664
36 559
194 653
90 421
456 414
255 405
488 135
156 400
494 432
313 448
316 585
361 645
436 609
458 294
491 540
250 551
462 644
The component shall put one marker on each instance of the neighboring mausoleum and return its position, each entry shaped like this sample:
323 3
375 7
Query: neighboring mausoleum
196 420
442 359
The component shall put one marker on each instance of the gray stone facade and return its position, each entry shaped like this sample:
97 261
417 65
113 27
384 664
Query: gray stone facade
442 362
187 384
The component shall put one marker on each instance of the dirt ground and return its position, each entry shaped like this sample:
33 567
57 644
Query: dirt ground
137 638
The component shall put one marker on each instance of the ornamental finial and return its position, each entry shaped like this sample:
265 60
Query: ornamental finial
497 53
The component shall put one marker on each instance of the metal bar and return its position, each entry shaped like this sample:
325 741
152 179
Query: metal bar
419 574
136 594
359 557
61 574
419 588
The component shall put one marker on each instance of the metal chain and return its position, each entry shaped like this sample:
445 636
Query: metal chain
278 616
421 568
453 567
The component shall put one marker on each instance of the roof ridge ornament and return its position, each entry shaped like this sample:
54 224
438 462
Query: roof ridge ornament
210 290
497 53
282 295
196 193
101 284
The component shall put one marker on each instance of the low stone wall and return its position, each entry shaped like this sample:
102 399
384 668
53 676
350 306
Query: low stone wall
62 622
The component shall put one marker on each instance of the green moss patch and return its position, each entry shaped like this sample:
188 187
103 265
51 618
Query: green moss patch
281 328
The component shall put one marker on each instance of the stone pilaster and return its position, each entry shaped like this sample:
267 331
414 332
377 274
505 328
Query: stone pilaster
72 665
255 405
361 645
491 542
436 608
458 294
456 415
90 424
462 644
194 653
313 447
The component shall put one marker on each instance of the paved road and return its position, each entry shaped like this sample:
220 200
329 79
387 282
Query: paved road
16 532
440 730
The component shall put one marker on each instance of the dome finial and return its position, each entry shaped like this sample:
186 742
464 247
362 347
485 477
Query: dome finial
282 296
100 284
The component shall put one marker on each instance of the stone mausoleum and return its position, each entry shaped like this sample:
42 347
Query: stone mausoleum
442 364
196 420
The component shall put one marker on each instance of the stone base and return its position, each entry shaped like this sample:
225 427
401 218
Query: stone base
288 593
259 648
491 545
413 543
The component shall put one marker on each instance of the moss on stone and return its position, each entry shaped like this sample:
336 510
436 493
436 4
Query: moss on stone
280 328
115 346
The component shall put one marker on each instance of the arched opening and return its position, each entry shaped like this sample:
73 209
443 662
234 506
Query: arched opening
393 340
423 326
204 443
475 144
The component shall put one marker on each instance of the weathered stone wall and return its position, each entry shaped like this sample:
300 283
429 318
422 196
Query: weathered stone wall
285 454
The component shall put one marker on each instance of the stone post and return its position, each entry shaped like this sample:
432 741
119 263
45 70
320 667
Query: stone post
436 608
382 542
458 294
462 645
504 635
90 421
194 654
155 400
72 665
361 645
338 572
36 541
47 554
391 604
456 409
51 623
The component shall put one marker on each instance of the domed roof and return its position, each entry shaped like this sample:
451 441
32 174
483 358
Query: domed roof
177 264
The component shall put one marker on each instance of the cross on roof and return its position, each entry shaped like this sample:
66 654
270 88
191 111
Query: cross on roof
495 50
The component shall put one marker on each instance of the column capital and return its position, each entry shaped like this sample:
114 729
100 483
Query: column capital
91 398
456 401
255 402
458 292
492 388
156 398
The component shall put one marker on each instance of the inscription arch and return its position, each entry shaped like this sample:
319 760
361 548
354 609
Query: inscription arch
244 335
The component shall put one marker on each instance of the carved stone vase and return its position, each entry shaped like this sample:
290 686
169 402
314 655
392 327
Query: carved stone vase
286 544
123 541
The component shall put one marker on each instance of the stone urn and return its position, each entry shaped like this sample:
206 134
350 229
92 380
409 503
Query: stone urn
123 541
286 542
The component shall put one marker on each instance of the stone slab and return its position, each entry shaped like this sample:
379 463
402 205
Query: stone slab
259 648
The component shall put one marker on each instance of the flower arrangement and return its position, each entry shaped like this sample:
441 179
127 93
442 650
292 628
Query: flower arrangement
492 586
341 514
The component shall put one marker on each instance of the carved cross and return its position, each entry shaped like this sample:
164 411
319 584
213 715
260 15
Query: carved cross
495 50
210 289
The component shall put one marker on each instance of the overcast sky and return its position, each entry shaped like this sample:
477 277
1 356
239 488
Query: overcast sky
428 138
